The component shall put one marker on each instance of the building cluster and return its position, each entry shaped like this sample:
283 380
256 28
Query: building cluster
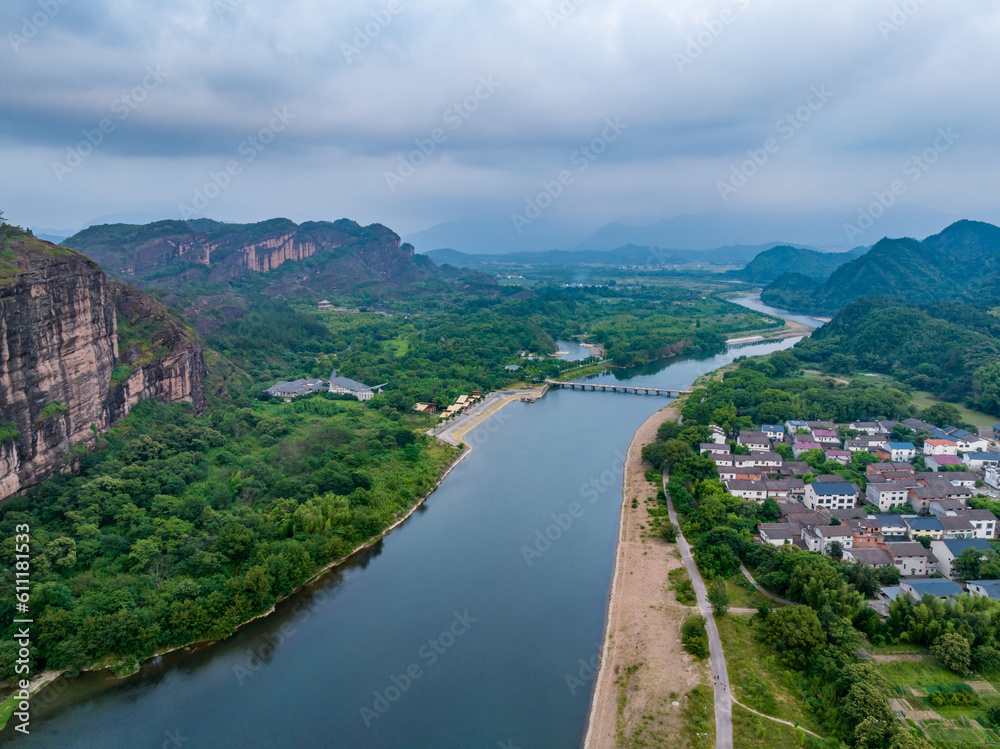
461 404
919 522
338 385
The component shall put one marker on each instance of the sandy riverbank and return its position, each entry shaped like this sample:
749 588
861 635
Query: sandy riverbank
644 621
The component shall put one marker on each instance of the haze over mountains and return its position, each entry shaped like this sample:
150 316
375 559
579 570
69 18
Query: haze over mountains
494 235
960 263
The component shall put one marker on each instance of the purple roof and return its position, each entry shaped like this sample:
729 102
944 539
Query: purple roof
824 433
838 452
945 460
808 445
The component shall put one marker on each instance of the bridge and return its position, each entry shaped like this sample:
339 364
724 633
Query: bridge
635 389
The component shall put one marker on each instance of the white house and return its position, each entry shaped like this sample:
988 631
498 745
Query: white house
890 494
826 437
779 534
911 558
900 451
756 441
992 476
948 550
981 461
984 521
347 386
987 588
833 495
753 490
820 538
940 447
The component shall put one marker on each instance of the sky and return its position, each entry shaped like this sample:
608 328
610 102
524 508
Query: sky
564 114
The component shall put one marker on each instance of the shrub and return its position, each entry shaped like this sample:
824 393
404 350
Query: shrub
694 637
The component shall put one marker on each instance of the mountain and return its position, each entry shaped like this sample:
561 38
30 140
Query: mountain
777 261
177 253
79 351
626 255
962 262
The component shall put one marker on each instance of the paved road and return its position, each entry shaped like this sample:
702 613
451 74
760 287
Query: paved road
454 430
723 701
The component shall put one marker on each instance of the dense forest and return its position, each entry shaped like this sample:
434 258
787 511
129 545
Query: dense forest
769 265
180 528
952 360
962 262
818 639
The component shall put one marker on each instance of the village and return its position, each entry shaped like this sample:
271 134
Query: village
918 521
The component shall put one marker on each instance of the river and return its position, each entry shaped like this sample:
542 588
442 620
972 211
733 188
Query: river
458 630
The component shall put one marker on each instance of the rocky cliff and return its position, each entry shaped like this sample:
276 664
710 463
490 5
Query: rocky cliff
63 372
179 253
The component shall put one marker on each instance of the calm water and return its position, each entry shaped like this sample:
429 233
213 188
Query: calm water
458 630
574 351
753 302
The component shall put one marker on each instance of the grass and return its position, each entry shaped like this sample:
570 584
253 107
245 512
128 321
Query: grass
398 347
923 399
904 675
698 708
758 679
7 710
752 732
743 595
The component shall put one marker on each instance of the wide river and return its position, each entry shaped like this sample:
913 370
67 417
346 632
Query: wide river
459 630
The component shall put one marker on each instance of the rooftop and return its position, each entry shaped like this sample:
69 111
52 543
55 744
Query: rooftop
935 587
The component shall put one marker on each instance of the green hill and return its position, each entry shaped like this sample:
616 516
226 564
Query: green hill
913 345
771 264
962 262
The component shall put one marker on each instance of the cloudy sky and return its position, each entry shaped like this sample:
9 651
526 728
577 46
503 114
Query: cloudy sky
416 113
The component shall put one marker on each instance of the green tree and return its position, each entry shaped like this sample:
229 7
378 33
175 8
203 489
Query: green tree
909 741
795 632
967 565
953 652
718 596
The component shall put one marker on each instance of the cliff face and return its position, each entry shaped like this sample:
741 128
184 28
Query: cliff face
175 253
59 350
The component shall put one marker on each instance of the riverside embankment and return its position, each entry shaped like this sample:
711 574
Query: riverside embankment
518 541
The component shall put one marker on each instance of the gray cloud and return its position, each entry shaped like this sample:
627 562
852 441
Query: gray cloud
698 83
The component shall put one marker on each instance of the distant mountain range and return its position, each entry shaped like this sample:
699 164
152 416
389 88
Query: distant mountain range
626 255
769 265
960 263
496 235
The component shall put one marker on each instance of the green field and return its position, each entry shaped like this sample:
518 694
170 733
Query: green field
758 679
752 732
923 399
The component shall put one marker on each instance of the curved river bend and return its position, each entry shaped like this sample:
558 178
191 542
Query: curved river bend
458 630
